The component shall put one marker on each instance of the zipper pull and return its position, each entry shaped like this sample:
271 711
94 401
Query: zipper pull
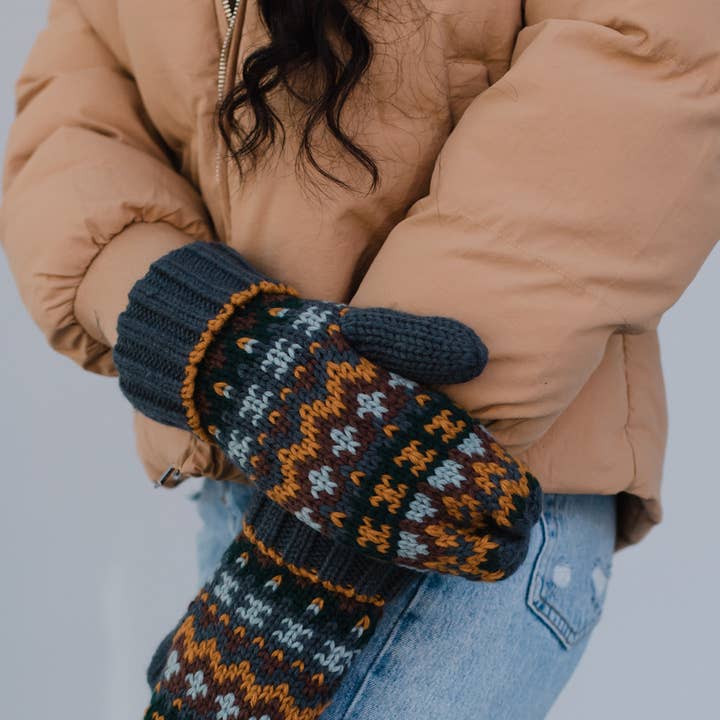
172 473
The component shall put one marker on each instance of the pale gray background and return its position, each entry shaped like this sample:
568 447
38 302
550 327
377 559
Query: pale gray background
96 565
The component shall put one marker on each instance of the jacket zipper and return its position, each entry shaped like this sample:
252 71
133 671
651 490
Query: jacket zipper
173 473
231 11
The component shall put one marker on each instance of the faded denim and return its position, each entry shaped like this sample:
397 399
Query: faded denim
449 649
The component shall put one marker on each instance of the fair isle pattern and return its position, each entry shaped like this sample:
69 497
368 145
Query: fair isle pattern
360 454
263 639
187 393
356 464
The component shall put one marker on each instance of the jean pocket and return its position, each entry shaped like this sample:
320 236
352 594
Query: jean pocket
572 569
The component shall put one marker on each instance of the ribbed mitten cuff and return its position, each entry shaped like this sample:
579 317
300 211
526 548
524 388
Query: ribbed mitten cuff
172 316
291 542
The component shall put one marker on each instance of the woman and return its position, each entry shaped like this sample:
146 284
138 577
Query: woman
544 172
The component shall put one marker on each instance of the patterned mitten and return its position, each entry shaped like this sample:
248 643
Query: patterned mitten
272 633
312 401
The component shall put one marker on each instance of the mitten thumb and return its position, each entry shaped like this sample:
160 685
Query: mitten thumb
430 350
159 660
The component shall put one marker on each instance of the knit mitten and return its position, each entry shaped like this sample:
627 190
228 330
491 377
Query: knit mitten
272 633
313 401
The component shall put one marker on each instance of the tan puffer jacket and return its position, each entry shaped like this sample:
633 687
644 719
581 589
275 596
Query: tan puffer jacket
550 176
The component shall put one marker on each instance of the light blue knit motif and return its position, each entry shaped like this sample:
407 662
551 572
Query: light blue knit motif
293 634
371 404
472 445
420 508
172 666
280 358
409 547
196 684
228 708
255 404
224 591
337 658
312 319
449 473
253 613
344 440
240 448
320 481
397 381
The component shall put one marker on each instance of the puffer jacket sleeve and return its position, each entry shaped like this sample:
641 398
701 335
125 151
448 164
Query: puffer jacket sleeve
576 198
82 163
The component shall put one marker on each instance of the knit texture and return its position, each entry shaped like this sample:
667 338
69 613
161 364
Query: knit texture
168 316
359 453
270 636
187 295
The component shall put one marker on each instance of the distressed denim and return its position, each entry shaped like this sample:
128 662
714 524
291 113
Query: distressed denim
450 649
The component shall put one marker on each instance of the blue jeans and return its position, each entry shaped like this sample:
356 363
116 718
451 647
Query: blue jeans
449 649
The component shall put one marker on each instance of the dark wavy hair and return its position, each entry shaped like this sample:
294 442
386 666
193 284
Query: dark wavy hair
300 47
